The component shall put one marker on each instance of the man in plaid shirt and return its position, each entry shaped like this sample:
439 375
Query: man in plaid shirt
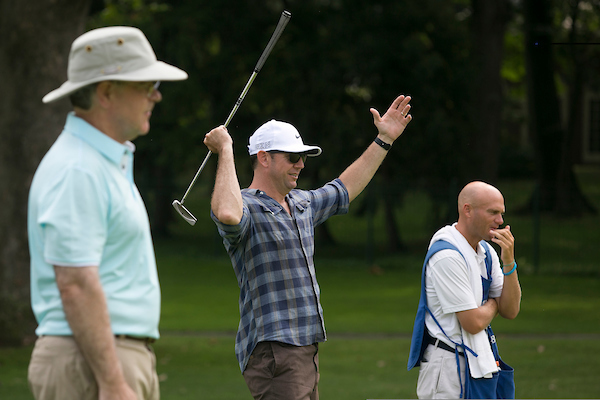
268 231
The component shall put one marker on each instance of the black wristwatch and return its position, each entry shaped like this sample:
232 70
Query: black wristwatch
384 145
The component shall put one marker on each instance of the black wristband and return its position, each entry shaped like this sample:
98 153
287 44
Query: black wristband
384 145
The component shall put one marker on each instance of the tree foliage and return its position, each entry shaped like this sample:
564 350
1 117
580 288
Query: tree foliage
335 60
558 51
471 66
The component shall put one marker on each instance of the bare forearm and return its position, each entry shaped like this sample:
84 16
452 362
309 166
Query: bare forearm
389 127
477 319
226 202
358 175
86 311
509 302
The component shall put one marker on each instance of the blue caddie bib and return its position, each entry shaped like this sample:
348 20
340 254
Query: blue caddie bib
501 385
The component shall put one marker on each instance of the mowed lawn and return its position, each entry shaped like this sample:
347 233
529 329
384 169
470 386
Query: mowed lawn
552 344
369 311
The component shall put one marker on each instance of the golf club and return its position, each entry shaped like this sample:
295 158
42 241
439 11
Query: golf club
283 20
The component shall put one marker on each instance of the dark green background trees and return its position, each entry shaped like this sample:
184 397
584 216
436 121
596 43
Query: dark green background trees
481 72
335 61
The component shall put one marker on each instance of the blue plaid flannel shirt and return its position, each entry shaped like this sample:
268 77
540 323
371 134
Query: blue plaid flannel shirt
272 255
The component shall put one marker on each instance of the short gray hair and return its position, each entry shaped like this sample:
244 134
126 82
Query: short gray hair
82 98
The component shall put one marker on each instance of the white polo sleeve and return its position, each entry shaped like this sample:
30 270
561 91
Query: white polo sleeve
450 279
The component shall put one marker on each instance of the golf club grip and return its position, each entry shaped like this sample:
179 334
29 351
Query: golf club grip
283 21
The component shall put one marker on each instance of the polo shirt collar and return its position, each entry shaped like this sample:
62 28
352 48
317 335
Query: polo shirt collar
117 153
108 147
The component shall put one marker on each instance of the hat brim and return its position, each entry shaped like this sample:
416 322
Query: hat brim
159 71
311 151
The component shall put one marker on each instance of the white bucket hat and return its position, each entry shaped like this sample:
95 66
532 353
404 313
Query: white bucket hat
118 53
279 136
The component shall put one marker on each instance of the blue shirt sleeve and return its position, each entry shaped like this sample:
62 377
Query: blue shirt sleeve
329 200
233 234
73 220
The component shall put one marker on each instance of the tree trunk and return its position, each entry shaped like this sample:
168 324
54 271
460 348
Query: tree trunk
395 243
489 25
543 107
570 200
36 38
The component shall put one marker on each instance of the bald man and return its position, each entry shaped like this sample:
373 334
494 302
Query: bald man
464 286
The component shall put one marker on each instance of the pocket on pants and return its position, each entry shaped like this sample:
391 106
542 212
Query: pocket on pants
58 370
448 381
438 378
428 377
262 360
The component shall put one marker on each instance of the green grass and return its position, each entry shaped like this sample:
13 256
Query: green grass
368 367
193 367
13 373
369 310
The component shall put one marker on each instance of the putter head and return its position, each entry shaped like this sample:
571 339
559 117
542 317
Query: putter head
184 212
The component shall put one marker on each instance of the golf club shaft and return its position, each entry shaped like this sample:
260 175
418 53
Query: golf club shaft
196 176
283 20
229 118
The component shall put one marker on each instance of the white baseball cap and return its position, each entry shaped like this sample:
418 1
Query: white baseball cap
280 136
117 53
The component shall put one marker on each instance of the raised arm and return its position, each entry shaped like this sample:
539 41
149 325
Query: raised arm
226 202
390 126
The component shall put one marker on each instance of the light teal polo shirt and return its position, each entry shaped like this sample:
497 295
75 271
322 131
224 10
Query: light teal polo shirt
85 210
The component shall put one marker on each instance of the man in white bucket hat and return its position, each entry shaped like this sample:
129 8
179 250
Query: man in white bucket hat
268 231
94 284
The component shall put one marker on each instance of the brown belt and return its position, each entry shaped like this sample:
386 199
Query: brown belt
146 340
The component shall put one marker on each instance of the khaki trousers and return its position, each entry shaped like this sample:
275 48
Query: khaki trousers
278 371
438 375
58 371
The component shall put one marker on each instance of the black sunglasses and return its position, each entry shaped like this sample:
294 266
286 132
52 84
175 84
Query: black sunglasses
292 157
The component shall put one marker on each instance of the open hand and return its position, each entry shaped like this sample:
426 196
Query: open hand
393 122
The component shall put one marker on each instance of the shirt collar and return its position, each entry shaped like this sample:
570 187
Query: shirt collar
480 254
108 147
